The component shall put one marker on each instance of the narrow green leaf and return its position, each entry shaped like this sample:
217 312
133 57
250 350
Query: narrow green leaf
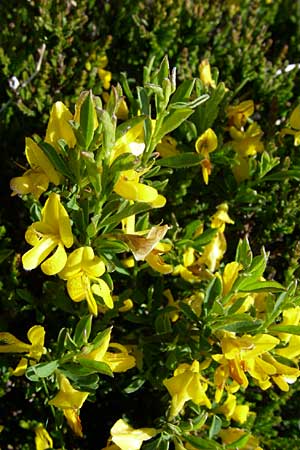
202 444
213 291
87 112
253 285
57 160
172 121
243 253
183 92
83 330
41 370
188 159
95 366
291 329
215 427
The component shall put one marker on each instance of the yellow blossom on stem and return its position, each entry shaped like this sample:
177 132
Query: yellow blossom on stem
292 350
129 187
167 147
214 251
52 232
70 401
247 143
241 355
205 74
36 180
239 114
82 271
59 126
126 437
43 440
290 316
119 360
186 384
130 142
34 350
295 124
232 410
285 375
205 144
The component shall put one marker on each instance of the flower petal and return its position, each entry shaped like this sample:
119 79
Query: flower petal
56 262
38 253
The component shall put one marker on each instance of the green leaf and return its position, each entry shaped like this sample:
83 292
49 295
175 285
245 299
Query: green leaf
246 326
183 92
291 329
95 366
108 131
213 291
257 266
239 443
83 330
125 161
204 238
115 219
215 427
57 160
253 285
188 312
4 254
188 159
135 384
163 324
202 444
41 370
172 121
87 112
243 253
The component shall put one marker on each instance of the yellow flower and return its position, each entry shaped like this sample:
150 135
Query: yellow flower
70 401
34 350
119 360
185 385
205 144
130 142
129 187
230 274
247 143
295 124
105 76
292 350
52 232
36 180
239 114
42 438
167 147
82 272
127 438
241 168
241 355
214 251
205 74
231 410
284 375
290 316
59 127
